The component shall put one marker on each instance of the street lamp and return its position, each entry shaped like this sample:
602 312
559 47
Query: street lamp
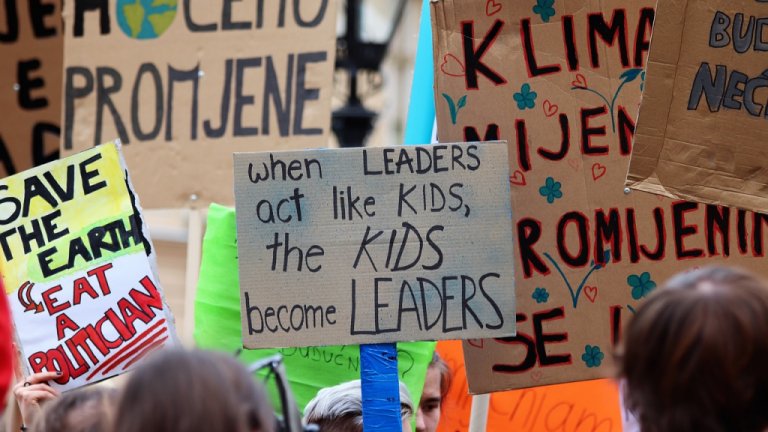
361 45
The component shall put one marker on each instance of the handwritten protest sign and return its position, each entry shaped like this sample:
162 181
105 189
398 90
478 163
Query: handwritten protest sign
374 245
574 407
702 129
77 266
561 82
309 369
31 48
184 84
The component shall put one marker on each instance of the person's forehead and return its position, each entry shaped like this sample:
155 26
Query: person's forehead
432 383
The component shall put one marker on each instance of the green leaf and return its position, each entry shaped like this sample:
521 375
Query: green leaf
452 107
462 102
631 75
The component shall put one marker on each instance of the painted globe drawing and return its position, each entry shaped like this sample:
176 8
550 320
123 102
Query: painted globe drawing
145 19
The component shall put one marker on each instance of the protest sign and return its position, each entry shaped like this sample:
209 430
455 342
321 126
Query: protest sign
561 82
575 407
701 132
31 48
184 84
217 317
374 245
78 267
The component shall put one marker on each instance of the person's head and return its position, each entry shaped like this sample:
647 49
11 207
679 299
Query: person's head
694 356
184 391
340 408
252 396
85 410
436 385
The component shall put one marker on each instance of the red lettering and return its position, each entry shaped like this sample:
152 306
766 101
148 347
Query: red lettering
50 301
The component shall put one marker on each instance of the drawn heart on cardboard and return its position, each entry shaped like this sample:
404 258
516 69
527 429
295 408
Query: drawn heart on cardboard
477 343
452 66
580 81
492 8
598 171
575 164
591 293
536 375
550 109
518 178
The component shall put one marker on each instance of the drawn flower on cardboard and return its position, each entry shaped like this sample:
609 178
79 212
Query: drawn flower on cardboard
641 285
541 295
592 356
526 98
551 190
545 9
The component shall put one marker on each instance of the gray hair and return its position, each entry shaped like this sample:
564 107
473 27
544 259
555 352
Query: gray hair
341 407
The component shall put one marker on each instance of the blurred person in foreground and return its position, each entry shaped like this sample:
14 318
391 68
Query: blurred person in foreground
190 391
340 408
695 356
436 385
45 409
84 410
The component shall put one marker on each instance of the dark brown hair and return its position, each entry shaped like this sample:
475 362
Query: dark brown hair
251 395
85 410
695 356
183 391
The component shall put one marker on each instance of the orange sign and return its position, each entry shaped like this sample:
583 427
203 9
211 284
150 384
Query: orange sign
588 406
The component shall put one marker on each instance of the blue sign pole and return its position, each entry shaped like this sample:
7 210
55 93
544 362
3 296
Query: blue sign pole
378 362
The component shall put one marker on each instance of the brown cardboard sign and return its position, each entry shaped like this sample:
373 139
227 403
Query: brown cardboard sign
374 245
561 82
702 127
31 49
184 84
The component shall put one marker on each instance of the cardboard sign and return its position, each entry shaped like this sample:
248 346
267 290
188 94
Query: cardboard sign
309 369
561 81
78 267
702 128
31 48
374 245
575 407
184 84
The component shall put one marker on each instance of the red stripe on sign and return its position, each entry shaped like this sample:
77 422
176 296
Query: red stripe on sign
146 351
116 355
138 348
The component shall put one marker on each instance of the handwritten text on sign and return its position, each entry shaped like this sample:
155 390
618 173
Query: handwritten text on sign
701 129
193 82
374 245
84 296
587 252
31 46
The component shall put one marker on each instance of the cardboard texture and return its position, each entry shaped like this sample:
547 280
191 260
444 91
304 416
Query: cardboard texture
374 245
82 286
183 85
575 407
701 132
217 318
31 49
587 252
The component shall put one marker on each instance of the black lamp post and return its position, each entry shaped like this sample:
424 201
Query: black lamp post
357 51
